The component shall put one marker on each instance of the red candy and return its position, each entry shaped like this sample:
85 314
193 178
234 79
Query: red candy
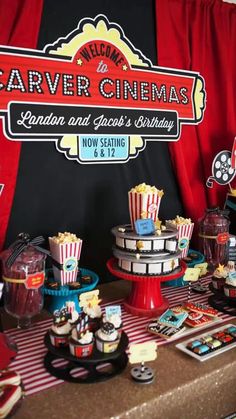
18 300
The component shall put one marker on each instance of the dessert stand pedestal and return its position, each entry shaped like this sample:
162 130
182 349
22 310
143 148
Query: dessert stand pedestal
145 298
221 302
98 367
57 298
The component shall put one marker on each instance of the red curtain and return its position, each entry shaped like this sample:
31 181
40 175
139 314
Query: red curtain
200 35
19 27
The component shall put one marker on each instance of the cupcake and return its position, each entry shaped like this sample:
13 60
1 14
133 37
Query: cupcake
94 314
107 338
81 343
116 320
218 278
230 285
61 328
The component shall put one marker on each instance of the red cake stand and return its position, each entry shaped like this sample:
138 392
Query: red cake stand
145 298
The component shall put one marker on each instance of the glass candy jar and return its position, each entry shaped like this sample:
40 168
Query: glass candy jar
23 296
214 236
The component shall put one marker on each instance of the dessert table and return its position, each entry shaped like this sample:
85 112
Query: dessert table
183 387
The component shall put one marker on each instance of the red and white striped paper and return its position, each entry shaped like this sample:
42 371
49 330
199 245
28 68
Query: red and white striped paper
185 231
62 251
29 360
143 203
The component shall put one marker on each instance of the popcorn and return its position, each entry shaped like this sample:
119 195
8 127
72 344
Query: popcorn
143 188
139 245
65 238
180 220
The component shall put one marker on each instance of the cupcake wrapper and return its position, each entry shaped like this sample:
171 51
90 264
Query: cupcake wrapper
58 341
185 232
61 252
139 203
107 347
81 351
230 292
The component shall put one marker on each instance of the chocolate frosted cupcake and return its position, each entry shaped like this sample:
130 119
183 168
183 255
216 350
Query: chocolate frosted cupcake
107 338
81 344
218 278
116 320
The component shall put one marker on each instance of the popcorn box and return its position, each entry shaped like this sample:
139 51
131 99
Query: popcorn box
67 254
185 231
62 251
144 202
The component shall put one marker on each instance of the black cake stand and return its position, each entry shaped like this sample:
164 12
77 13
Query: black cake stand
221 302
98 367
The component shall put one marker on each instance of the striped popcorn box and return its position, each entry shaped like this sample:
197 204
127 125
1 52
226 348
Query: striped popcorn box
67 254
185 231
144 204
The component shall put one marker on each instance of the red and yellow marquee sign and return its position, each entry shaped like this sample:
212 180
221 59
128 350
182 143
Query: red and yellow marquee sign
94 94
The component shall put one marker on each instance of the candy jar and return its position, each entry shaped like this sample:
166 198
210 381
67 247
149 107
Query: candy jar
214 236
23 269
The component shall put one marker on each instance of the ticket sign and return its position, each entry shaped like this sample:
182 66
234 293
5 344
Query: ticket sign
112 311
94 94
144 227
192 274
89 299
143 352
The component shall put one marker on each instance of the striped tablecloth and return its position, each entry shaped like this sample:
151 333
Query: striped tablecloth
31 350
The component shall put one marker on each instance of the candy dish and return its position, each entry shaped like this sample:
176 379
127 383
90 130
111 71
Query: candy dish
206 346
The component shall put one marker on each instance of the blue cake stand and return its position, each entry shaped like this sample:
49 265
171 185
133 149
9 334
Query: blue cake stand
58 298
180 282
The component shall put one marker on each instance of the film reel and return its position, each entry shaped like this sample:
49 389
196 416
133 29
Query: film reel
222 170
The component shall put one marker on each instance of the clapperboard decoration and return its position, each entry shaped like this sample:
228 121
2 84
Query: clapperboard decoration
1 188
223 167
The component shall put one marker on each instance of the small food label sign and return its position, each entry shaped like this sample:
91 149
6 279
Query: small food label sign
112 311
143 352
35 280
89 299
97 96
144 227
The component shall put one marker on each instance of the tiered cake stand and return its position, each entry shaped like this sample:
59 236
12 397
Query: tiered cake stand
221 302
145 298
97 367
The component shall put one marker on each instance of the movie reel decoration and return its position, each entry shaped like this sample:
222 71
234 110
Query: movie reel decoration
223 170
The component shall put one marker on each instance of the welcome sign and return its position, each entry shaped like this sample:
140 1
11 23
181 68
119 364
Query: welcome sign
95 95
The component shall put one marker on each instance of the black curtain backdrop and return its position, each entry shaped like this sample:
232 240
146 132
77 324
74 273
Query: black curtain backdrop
54 194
